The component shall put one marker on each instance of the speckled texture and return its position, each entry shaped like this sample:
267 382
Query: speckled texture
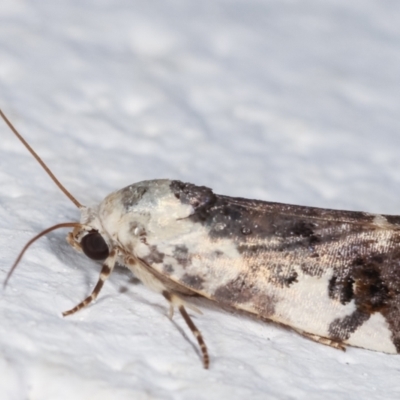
287 101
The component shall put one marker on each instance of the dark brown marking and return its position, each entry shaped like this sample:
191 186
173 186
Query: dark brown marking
193 281
218 253
239 291
155 256
303 228
236 291
264 304
373 282
131 195
106 270
342 328
393 219
341 289
182 256
201 198
371 292
168 269
283 277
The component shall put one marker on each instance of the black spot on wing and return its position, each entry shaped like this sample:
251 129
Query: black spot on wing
341 289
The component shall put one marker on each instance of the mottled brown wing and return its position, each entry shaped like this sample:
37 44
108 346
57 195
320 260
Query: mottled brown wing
361 250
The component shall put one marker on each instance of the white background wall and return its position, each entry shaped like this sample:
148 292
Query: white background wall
281 100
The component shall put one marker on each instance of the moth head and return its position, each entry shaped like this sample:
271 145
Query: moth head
84 238
90 241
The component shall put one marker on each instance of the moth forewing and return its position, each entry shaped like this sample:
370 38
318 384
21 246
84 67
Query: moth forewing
333 276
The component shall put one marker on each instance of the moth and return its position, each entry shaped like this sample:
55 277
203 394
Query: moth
332 276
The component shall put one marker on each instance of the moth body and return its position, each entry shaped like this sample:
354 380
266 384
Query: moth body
333 276
330 275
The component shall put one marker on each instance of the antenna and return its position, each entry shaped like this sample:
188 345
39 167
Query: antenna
39 160
39 235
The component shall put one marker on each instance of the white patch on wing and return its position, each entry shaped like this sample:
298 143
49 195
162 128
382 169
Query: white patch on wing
199 247
306 304
373 334
381 222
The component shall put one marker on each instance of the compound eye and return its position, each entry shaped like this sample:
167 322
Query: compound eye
94 246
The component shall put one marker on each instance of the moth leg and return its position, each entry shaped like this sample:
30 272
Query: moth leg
323 340
171 311
174 300
106 270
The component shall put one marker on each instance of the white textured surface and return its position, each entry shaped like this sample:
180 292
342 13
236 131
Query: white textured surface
284 100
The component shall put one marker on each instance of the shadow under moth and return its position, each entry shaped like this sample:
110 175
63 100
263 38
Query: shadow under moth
332 276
